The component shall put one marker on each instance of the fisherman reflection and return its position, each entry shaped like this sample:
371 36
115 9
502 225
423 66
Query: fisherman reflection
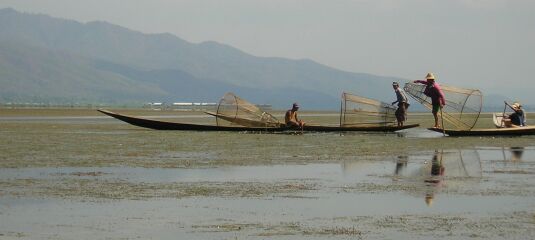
516 153
401 164
434 180
401 134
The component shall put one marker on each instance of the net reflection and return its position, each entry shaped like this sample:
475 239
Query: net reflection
429 174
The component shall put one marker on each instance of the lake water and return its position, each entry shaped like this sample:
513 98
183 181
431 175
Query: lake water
89 177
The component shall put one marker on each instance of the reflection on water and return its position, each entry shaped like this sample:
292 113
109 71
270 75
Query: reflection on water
422 175
401 164
506 154
436 177
432 171
458 164
459 169
434 183
517 153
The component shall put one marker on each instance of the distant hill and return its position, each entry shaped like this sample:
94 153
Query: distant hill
46 59
32 74
40 75
88 61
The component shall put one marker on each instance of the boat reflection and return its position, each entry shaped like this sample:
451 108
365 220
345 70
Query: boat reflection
505 155
516 153
508 157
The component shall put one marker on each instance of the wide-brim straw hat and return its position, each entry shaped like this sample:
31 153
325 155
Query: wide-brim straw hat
430 76
516 105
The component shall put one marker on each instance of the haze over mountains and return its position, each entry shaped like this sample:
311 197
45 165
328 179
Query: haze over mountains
46 59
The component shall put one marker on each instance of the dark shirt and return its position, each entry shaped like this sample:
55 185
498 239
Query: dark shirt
517 118
434 92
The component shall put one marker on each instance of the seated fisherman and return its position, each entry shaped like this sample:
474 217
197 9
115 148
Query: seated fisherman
291 118
517 118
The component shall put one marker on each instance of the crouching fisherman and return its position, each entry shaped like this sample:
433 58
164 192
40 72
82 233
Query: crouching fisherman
291 118
517 118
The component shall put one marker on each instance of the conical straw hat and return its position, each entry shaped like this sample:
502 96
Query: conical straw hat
430 76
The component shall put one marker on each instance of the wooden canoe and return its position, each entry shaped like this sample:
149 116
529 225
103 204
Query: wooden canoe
164 125
519 131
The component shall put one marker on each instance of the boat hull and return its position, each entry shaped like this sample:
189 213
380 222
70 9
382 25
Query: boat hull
163 125
520 131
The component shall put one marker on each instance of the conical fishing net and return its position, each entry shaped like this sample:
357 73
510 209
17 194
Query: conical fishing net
233 111
462 108
361 111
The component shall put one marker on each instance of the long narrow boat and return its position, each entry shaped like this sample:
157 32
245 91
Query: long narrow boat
164 125
519 131
500 129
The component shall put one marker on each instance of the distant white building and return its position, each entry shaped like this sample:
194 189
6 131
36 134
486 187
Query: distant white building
193 106
154 105
182 106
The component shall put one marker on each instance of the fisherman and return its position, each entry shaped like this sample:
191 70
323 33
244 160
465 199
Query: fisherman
403 104
291 118
517 118
432 90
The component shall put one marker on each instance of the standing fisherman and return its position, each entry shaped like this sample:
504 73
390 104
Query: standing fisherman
403 104
432 90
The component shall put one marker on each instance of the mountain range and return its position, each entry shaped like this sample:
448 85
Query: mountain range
46 59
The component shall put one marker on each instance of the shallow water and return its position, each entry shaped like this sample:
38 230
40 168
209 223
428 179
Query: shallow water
87 178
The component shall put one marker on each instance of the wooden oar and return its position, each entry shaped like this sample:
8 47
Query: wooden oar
507 104
503 114
442 119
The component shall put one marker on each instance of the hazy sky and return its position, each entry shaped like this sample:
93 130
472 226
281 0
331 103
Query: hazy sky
485 44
